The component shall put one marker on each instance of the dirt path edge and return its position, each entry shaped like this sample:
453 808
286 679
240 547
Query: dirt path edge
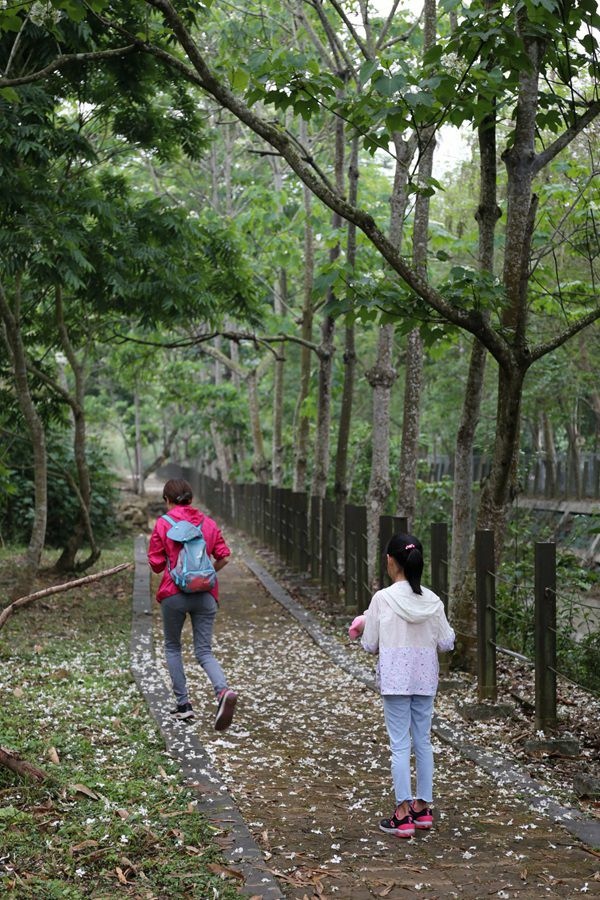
214 800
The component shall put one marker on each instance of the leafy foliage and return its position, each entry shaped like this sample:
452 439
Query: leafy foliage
16 511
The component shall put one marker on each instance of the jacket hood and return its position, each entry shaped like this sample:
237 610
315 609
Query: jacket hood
188 513
409 606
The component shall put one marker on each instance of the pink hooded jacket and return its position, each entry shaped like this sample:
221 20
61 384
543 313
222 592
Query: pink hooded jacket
161 547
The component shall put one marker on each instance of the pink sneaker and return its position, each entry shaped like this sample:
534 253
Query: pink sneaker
227 700
424 819
403 828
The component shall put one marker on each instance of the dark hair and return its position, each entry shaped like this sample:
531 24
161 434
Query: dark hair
179 491
408 553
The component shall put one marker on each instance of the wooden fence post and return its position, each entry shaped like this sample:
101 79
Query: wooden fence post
485 593
545 636
315 537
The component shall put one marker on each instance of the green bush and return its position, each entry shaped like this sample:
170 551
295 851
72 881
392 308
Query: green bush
17 502
578 659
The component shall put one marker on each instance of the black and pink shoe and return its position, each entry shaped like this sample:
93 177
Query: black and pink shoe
226 700
424 819
403 828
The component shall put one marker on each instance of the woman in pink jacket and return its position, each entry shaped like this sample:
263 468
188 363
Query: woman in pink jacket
201 607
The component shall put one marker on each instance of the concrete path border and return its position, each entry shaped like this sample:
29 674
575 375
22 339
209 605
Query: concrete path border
214 800
505 774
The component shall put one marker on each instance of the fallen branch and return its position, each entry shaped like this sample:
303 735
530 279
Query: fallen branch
56 589
12 760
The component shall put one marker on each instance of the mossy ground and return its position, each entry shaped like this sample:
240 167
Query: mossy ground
113 818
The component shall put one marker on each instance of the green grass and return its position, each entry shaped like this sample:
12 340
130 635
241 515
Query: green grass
67 690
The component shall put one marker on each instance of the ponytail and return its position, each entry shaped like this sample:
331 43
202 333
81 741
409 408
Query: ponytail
408 553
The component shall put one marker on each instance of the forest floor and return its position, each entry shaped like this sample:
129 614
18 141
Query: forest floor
113 818
307 762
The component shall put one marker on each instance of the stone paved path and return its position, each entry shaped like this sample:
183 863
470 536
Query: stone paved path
308 765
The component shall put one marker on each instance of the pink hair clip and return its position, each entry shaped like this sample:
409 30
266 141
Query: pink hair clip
410 547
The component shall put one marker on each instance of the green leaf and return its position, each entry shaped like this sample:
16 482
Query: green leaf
10 94
367 69
239 80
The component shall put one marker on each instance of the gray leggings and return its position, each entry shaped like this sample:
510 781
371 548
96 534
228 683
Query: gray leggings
202 609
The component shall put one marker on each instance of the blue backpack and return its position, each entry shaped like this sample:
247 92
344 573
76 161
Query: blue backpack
193 571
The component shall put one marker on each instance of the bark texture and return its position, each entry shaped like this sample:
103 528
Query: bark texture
341 489
302 421
413 382
82 528
18 356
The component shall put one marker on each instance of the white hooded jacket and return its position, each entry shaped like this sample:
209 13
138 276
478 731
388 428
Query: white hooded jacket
407 630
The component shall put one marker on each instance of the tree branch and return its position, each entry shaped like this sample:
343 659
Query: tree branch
543 349
387 24
278 138
57 589
359 43
66 60
13 761
542 159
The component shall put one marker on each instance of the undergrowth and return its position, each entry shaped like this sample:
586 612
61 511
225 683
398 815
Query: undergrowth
113 817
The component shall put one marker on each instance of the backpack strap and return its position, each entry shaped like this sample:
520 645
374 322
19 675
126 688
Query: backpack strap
168 518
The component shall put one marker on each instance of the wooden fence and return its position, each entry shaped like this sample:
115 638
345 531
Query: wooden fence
302 531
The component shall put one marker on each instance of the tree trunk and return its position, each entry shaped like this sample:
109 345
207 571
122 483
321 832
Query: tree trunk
302 421
487 216
382 375
260 466
83 527
549 457
341 459
496 498
221 450
279 299
574 482
411 421
139 465
164 455
413 382
326 350
18 357
462 501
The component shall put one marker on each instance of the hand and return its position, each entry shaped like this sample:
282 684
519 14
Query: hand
357 627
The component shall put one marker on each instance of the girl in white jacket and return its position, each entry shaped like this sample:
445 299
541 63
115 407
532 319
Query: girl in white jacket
406 625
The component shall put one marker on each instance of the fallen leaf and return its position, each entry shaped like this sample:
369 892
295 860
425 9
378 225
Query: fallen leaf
387 889
122 813
223 841
121 876
60 674
18 692
53 756
84 845
86 791
225 870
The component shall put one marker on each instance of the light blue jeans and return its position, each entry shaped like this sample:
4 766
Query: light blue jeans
202 609
409 716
